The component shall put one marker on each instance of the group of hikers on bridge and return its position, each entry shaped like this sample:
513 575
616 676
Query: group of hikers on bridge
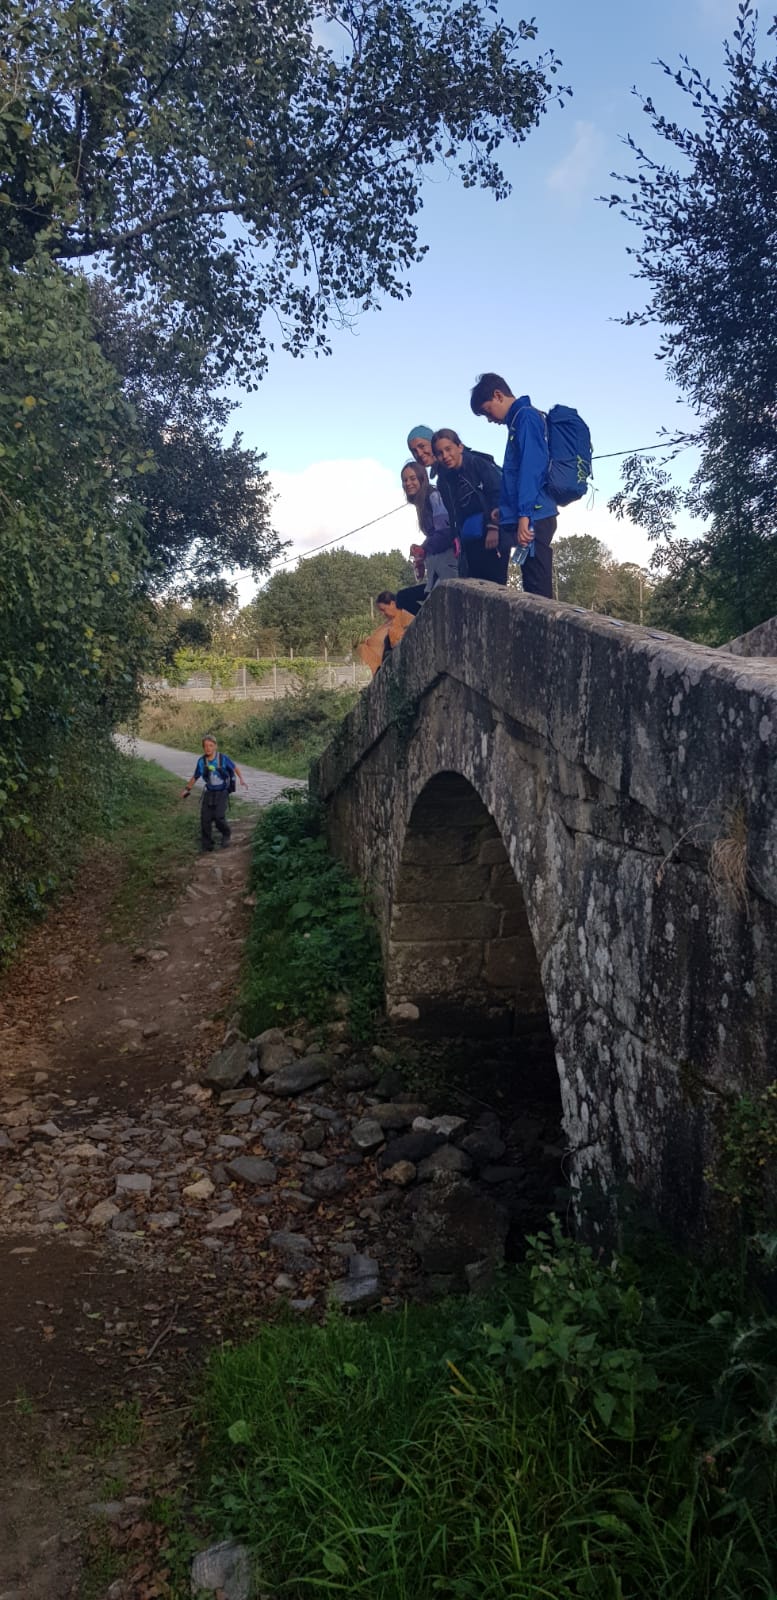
475 517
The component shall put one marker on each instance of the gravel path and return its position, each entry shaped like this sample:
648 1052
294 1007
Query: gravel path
263 787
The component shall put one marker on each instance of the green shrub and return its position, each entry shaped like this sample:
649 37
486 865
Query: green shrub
284 736
302 723
746 1174
310 937
71 558
133 805
463 1450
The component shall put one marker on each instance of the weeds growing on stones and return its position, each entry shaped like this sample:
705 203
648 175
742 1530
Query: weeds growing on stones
311 937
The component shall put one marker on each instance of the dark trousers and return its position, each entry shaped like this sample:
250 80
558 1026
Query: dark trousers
214 809
537 570
482 563
411 599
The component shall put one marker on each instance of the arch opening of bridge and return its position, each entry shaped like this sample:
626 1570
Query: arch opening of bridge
460 946
461 950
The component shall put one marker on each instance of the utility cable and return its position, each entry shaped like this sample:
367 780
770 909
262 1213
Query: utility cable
641 450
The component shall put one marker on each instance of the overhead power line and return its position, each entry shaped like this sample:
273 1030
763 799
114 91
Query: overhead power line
640 450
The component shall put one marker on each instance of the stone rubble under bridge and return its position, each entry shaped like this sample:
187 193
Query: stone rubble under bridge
536 796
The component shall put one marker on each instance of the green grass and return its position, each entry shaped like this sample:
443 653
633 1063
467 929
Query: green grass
310 935
464 1450
135 806
155 833
283 736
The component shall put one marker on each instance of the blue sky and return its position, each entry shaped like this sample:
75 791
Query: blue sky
529 287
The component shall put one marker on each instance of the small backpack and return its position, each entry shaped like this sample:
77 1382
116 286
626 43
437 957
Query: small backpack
225 772
570 450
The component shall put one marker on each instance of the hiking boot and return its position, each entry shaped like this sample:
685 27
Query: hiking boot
225 842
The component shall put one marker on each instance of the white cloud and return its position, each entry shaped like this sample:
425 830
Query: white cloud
326 500
626 541
573 174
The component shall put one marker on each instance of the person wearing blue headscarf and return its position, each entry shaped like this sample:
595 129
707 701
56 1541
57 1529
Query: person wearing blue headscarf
419 443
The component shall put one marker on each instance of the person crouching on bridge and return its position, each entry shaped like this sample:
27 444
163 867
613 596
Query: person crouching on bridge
374 650
471 487
218 774
527 512
439 547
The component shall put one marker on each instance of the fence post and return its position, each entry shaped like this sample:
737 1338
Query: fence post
353 673
274 681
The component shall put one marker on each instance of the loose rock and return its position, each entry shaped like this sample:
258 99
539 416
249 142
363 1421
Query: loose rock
403 1173
405 1011
252 1169
329 1182
292 1243
367 1135
441 1163
201 1190
225 1567
447 1126
223 1219
358 1076
274 1055
101 1214
409 1147
133 1183
162 1220
484 1146
228 1067
299 1076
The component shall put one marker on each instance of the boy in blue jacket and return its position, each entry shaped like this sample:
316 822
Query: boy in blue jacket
526 506
216 772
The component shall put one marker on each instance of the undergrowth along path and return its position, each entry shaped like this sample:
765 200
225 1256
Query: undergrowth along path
263 787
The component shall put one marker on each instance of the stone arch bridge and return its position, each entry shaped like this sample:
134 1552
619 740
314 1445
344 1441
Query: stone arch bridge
560 814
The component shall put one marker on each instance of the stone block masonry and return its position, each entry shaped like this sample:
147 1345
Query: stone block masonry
534 811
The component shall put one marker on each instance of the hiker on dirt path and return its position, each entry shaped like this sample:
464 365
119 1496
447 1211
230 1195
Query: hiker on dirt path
218 774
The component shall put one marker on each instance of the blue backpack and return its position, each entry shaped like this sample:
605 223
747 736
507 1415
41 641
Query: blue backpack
570 450
227 775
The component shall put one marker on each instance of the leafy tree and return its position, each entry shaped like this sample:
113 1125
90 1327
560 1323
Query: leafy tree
307 606
580 563
206 504
587 574
236 163
707 255
71 553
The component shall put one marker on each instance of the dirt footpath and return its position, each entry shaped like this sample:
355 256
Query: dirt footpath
93 1036
144 1218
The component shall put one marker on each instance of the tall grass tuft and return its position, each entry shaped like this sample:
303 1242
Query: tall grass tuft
464 1450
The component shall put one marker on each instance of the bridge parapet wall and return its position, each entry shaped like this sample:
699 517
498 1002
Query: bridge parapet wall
610 760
